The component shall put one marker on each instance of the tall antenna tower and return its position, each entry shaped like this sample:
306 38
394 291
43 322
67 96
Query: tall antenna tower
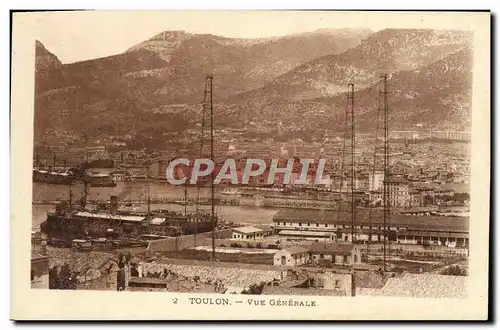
209 106
374 172
202 147
348 165
381 166
386 199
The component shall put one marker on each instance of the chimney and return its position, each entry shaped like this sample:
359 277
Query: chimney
113 205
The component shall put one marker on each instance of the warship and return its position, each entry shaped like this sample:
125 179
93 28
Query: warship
69 222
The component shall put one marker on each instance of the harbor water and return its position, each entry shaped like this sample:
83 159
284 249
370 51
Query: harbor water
138 191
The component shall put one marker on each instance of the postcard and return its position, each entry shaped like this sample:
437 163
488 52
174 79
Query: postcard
250 165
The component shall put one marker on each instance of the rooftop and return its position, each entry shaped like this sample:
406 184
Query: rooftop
331 248
363 217
296 249
247 230
305 233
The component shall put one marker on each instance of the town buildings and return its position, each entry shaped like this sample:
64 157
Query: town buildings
331 225
403 135
292 256
334 253
399 191
451 135
248 233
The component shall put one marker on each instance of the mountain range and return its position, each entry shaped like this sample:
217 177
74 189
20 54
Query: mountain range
157 86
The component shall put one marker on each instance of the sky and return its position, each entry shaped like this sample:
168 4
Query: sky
77 36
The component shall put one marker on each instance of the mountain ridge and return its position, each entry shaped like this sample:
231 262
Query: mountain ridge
140 91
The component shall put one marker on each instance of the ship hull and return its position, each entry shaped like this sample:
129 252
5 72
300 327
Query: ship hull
68 227
53 178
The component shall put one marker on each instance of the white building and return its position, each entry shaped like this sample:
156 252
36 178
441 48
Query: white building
376 181
247 232
293 256
337 254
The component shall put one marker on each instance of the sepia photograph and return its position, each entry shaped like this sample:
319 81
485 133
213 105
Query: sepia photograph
243 160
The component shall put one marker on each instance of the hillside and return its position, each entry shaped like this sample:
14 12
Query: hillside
154 89
47 69
239 64
163 77
437 95
386 51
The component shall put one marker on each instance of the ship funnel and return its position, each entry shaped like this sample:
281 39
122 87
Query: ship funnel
113 205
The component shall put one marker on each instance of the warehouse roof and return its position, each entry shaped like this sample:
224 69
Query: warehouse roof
331 248
376 218
305 233
247 230
296 250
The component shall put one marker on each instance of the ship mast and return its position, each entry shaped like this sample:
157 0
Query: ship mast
70 198
149 204
85 186
185 198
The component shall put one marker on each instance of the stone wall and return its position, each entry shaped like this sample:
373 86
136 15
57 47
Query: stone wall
243 243
229 275
187 241
107 281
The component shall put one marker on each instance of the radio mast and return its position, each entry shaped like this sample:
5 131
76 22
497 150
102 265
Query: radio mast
386 198
348 166
209 98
